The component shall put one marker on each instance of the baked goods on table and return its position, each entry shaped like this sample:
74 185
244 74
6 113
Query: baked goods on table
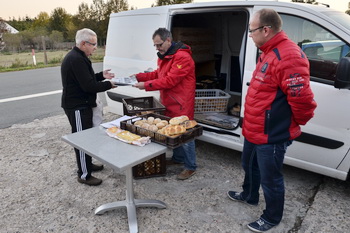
174 127
127 136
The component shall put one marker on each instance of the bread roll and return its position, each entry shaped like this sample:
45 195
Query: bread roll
138 123
145 125
189 124
174 129
150 120
153 128
160 125
178 120
157 120
165 122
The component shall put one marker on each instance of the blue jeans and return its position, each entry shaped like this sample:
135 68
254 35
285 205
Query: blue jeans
186 154
263 165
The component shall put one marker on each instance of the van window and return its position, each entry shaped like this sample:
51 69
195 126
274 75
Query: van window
322 47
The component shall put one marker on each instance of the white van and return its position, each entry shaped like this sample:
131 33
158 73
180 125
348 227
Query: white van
225 59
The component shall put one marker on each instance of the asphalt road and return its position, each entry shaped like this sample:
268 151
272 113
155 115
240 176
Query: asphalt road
32 94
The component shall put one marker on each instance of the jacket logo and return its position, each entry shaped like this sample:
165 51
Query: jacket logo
264 68
179 66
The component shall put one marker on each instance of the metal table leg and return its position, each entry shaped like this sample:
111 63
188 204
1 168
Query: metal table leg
130 203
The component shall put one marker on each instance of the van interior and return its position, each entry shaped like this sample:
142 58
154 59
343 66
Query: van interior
217 40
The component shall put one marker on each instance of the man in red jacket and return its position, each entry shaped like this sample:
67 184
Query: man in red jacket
176 81
279 99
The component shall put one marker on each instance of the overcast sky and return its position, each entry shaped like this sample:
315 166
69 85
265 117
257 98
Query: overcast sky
31 8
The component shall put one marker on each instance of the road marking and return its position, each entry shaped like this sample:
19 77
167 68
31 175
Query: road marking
30 96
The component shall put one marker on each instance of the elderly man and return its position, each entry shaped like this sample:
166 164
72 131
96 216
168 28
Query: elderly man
80 85
279 99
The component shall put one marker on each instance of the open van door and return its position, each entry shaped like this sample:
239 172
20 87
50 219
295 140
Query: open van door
327 134
134 51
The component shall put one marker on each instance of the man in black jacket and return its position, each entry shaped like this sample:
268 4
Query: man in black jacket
80 87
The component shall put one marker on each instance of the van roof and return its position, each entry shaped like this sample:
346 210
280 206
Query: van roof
340 18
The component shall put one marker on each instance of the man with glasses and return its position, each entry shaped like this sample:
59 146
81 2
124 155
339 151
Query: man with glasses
176 81
278 101
80 88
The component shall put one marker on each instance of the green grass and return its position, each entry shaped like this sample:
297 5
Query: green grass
24 61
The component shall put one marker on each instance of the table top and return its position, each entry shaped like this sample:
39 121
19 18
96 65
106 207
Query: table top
119 155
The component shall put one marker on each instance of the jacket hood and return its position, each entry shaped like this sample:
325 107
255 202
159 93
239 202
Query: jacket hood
175 46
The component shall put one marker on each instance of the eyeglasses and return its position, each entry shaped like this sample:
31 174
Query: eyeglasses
93 44
158 45
253 30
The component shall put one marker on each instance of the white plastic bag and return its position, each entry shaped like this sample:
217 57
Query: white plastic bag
97 113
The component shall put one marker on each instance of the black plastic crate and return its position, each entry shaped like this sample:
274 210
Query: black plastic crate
151 168
142 105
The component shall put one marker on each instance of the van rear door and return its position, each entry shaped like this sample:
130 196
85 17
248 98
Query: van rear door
132 48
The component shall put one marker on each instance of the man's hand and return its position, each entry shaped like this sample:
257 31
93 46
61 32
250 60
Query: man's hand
107 74
113 84
140 85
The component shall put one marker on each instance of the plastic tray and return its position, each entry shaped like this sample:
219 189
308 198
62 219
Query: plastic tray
221 120
211 100
142 105
171 142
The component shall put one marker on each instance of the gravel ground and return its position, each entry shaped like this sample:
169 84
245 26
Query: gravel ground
39 191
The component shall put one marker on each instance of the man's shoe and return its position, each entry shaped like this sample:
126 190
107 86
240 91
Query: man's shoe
96 168
260 225
185 174
172 162
92 181
236 196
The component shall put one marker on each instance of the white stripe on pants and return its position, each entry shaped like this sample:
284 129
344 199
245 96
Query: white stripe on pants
79 127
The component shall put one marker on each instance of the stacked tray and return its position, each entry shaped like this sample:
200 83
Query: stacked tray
169 141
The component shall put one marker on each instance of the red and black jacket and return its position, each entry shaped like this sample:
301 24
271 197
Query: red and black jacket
175 79
279 97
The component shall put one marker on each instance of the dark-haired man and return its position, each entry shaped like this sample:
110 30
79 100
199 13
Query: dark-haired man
176 81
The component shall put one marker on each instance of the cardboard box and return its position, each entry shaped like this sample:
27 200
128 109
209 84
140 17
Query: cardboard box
201 41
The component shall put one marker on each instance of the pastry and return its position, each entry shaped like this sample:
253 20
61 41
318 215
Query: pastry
150 120
165 122
178 120
157 120
128 136
114 130
174 129
189 124
160 125
145 125
153 128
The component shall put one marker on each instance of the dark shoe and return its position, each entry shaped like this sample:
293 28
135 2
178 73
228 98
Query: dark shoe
96 168
185 174
172 162
260 225
92 181
236 196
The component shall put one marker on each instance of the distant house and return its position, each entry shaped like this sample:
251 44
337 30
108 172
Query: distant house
11 29
7 28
